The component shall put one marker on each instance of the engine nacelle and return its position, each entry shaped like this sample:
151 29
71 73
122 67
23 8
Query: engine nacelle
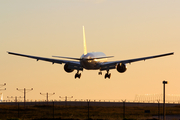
67 69
121 67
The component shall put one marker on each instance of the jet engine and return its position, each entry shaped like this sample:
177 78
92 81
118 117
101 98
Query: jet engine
121 67
67 69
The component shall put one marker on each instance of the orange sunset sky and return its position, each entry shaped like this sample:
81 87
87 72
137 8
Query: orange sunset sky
125 29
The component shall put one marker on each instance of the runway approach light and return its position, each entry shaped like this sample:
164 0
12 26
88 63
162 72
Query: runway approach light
165 82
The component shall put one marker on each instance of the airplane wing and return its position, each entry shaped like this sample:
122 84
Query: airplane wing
112 64
73 64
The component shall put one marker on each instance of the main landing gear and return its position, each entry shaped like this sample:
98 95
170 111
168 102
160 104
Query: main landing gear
107 75
77 75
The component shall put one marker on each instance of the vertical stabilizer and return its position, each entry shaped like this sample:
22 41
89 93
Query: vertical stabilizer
84 39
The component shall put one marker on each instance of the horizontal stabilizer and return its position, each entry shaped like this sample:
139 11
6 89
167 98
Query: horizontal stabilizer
67 57
83 58
101 57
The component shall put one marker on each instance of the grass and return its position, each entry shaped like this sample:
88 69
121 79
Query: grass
12 112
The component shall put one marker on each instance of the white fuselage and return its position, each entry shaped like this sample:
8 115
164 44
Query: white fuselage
88 61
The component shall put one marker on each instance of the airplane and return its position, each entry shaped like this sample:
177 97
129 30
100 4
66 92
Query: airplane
91 61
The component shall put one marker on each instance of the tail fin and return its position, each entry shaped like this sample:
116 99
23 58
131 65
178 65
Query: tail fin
84 39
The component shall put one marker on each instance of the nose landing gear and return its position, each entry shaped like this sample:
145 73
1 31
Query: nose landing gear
100 73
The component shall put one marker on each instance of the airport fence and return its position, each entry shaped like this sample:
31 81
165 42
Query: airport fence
177 101
85 109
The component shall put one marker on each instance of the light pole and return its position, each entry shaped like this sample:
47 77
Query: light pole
1 85
158 109
124 101
24 91
66 98
88 101
15 98
164 105
47 95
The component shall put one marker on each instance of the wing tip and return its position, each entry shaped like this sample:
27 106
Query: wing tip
8 52
172 53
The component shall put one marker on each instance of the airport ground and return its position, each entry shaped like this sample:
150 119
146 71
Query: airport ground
87 110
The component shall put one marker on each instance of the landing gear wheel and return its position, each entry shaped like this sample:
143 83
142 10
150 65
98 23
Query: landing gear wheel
77 75
107 75
100 73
